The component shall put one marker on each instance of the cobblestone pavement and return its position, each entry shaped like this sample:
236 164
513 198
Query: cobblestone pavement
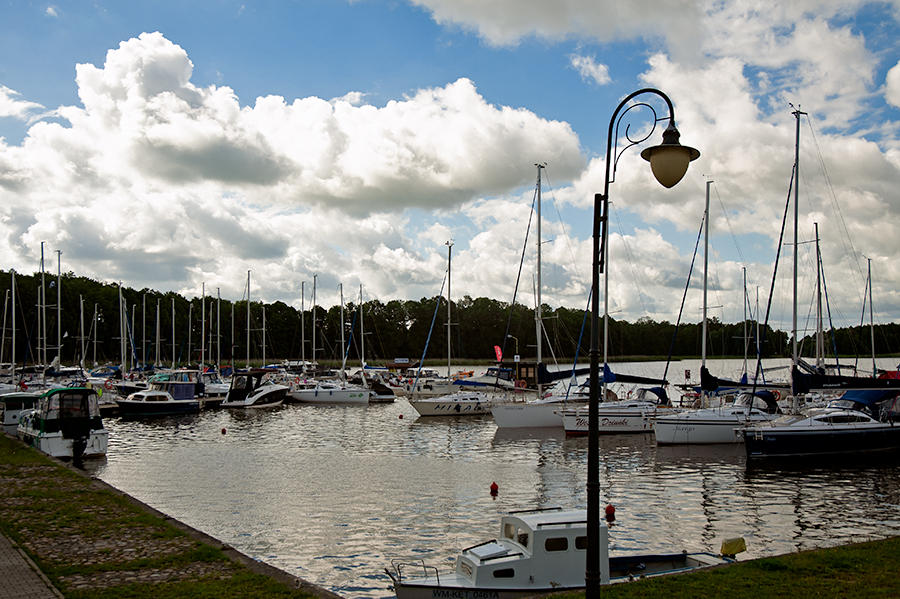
20 577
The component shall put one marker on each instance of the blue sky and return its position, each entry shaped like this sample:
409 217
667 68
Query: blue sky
199 140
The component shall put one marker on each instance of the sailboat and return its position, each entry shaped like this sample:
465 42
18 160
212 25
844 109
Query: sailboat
452 401
853 424
713 424
330 392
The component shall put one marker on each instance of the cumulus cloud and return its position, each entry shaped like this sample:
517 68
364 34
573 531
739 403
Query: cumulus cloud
590 69
12 106
187 183
51 11
506 22
892 85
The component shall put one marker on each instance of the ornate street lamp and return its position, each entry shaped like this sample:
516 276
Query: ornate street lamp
669 162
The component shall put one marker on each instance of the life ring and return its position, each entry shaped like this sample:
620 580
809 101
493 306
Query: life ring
520 384
296 380
108 385
777 394
22 385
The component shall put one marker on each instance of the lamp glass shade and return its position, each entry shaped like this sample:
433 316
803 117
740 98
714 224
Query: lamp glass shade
669 163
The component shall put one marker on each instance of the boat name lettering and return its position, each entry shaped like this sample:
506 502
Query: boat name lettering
463 594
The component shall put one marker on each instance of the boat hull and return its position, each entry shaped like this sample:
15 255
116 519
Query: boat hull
460 404
766 442
54 444
675 430
130 408
611 421
527 415
622 569
331 396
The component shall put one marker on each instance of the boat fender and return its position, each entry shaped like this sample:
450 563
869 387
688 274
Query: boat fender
731 547
610 513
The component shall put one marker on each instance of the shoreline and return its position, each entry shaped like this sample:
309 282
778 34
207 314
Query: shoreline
134 544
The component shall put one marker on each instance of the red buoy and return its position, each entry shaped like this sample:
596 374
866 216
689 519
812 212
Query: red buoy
401 416
495 488
223 430
610 513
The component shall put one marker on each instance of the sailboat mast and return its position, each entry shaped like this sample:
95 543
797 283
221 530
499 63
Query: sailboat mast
12 349
157 361
248 319
872 320
302 330
820 338
3 342
537 311
42 333
449 252
362 334
263 333
203 325
343 347
143 331
173 334
218 331
59 305
705 276
795 357
122 317
746 300
314 322
95 327
81 328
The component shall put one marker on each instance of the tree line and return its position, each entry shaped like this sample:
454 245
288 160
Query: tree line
89 316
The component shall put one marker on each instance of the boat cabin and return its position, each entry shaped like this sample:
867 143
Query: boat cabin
539 548
73 411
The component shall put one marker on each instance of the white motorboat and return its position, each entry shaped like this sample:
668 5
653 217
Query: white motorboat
249 390
538 552
65 424
461 403
15 405
156 402
327 392
716 425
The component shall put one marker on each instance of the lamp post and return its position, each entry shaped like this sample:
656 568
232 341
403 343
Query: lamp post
669 162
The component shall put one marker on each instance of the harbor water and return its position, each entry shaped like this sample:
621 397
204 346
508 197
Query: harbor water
333 493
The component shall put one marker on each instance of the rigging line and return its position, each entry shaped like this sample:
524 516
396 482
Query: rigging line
518 275
833 334
631 261
730 228
683 297
784 218
834 203
562 224
437 305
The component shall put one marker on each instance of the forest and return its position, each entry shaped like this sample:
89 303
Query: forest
166 328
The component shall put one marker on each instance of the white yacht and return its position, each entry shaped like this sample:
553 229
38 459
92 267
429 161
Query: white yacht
538 552
15 405
461 403
327 392
716 425
248 390
65 424
624 416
